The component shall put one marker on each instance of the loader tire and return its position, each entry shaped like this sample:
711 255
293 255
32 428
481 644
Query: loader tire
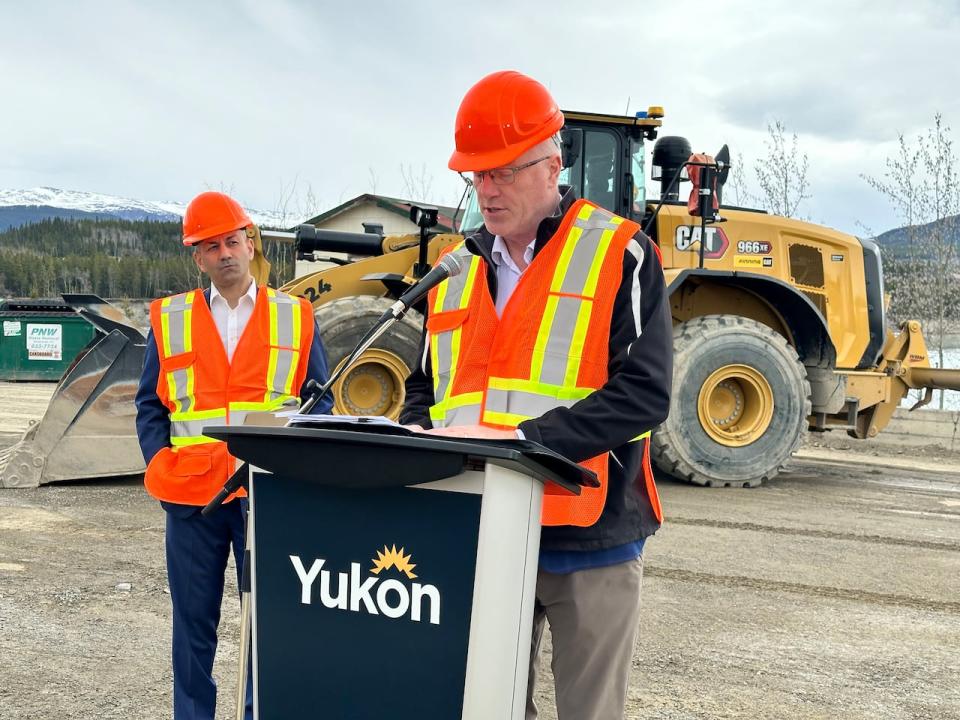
740 405
374 385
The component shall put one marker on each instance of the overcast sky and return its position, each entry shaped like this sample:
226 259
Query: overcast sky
280 100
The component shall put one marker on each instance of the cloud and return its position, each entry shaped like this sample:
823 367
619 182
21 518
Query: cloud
158 101
860 71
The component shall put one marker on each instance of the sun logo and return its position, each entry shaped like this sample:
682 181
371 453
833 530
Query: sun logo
392 557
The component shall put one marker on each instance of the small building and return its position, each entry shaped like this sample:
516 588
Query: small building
391 214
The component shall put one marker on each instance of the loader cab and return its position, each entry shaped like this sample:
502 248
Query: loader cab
603 160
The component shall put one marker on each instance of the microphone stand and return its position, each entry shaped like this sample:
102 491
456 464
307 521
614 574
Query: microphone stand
319 391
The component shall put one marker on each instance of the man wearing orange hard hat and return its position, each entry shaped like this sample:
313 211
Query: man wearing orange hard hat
212 357
558 331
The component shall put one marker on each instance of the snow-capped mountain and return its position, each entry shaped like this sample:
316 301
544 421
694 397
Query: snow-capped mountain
19 207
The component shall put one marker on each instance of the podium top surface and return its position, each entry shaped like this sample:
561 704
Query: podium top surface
368 459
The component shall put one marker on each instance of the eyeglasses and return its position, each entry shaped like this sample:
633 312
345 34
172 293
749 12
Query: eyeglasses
500 176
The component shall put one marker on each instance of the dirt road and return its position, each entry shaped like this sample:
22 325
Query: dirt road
832 591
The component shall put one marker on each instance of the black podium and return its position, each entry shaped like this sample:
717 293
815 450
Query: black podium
393 576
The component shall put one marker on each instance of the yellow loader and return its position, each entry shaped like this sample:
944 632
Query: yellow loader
779 325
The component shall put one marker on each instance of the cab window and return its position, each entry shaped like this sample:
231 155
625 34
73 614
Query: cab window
592 175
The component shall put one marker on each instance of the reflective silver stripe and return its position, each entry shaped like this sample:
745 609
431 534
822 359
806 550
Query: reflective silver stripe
193 428
457 285
560 340
454 292
176 340
175 309
287 308
285 319
466 415
572 308
444 363
518 402
285 361
582 259
559 348
180 381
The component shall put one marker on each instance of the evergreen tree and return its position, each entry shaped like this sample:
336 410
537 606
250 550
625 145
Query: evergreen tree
108 257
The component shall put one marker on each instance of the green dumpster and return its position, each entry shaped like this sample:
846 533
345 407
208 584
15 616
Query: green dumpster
40 339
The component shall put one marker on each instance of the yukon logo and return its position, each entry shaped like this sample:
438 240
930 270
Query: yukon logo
372 593
393 558
688 237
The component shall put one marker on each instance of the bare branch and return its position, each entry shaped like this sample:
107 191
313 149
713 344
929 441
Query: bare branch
416 186
921 182
782 173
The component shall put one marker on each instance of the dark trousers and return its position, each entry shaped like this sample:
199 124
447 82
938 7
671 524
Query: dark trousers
197 551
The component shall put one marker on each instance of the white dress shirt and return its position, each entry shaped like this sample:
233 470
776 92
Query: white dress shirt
231 322
508 274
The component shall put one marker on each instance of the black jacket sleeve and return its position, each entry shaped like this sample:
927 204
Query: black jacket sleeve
419 390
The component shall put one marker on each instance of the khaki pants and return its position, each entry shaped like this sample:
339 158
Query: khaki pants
594 617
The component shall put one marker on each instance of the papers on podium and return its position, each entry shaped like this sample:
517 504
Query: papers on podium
357 423
295 418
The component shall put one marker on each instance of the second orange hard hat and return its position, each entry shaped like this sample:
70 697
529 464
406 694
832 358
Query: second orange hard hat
500 118
210 214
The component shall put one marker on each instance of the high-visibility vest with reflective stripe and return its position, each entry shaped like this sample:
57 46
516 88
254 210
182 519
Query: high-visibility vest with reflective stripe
201 387
549 349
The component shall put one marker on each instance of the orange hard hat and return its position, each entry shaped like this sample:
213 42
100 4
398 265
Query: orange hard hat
500 118
210 214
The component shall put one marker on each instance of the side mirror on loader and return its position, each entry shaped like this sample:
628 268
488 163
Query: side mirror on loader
571 145
723 164
423 216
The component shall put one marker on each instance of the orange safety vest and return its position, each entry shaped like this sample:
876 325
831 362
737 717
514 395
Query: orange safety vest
549 348
201 387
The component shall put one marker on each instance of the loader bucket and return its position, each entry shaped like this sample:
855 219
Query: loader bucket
89 428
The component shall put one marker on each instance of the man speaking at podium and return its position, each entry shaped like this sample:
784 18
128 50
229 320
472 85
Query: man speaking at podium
558 331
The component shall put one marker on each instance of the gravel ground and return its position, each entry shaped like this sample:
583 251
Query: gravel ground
832 591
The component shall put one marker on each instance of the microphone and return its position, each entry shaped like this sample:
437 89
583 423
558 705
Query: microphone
450 265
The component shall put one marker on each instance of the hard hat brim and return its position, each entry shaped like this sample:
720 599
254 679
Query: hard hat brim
212 231
475 162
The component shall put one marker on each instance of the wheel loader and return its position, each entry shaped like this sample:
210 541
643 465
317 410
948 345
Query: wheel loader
779 325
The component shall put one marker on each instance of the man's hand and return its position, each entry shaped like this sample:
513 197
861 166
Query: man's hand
474 431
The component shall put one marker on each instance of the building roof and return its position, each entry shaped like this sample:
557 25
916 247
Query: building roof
445 216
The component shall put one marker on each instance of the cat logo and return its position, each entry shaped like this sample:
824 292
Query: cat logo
688 238
370 593
917 358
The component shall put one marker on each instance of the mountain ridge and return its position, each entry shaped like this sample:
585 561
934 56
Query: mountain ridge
22 207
